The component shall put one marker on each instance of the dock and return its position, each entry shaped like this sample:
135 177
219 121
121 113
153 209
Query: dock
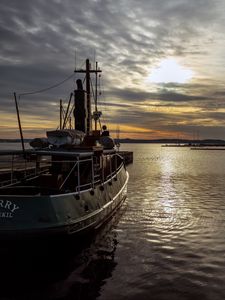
207 148
128 156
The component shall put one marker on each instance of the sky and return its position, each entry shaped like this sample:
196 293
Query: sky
162 61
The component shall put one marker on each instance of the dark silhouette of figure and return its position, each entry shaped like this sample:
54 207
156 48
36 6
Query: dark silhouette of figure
105 132
105 140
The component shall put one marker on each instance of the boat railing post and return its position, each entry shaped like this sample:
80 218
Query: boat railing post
110 166
35 168
12 166
78 175
25 167
92 173
103 177
115 158
123 160
38 165
116 164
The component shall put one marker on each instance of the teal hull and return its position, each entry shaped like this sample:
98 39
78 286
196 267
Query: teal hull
64 214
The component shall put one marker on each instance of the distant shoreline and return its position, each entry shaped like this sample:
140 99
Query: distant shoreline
212 142
173 141
14 140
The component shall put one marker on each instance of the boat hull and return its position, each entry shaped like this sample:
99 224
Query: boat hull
67 214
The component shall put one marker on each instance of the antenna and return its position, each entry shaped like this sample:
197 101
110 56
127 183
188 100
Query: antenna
94 56
75 59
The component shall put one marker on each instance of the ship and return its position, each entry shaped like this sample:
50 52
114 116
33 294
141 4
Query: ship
69 183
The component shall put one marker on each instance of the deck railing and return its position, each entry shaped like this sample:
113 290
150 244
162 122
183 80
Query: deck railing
81 173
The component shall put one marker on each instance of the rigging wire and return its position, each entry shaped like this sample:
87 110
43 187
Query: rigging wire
58 84
92 90
70 113
67 110
48 88
102 93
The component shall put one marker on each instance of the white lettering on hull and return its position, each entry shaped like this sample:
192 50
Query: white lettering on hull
7 205
6 215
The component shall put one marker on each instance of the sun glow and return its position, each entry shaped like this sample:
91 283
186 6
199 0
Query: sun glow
170 71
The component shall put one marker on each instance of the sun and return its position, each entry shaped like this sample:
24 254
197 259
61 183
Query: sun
169 70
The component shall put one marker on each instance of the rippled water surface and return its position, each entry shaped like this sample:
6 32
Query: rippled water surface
167 242
172 237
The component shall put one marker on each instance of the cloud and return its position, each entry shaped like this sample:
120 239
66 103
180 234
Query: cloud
128 38
164 95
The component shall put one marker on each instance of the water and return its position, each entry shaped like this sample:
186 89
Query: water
167 242
172 237
13 146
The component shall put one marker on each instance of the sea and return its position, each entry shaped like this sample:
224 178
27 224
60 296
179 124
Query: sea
166 242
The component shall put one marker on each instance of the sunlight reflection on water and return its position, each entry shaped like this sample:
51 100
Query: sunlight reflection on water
174 226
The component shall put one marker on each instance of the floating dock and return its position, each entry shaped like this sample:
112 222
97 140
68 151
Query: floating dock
207 148
128 156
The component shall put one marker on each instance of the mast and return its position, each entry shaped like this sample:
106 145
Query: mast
88 71
96 92
19 123
60 114
88 91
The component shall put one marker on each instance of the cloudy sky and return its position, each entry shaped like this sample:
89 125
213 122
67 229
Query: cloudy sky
163 64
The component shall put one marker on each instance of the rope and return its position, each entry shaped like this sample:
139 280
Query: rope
48 88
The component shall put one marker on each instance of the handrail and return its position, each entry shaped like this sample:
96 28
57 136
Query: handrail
28 170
